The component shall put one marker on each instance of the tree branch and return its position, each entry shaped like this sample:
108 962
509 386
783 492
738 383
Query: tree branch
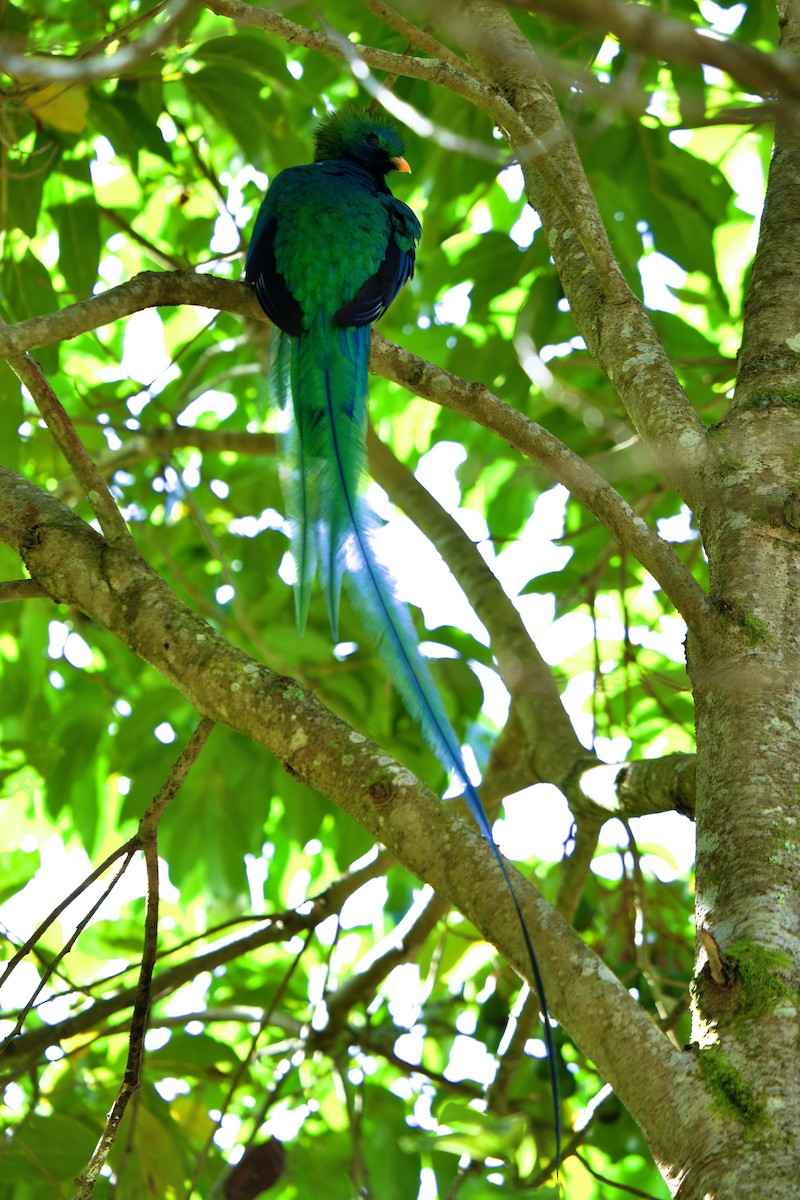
123 594
22 1052
472 400
613 322
20 589
769 362
47 69
148 828
553 750
150 289
475 401
644 29
55 415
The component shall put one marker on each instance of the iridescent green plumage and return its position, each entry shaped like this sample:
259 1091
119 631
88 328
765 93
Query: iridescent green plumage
330 251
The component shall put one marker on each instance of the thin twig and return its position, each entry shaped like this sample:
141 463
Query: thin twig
148 838
52 966
620 1187
125 850
243 1064
20 589
55 415
277 927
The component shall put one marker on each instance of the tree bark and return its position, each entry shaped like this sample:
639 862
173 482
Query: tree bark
744 661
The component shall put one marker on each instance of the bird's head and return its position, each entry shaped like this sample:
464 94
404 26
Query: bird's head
356 135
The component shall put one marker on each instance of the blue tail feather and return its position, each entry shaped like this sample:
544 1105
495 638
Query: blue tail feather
334 529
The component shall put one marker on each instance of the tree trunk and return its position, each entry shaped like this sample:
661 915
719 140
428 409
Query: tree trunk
747 696
741 478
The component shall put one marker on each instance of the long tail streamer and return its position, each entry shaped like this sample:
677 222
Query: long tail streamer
324 374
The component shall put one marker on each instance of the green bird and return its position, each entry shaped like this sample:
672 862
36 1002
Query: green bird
331 249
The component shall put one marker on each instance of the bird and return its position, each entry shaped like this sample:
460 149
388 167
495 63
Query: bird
331 248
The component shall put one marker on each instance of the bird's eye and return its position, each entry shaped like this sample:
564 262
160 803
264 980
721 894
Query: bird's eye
372 139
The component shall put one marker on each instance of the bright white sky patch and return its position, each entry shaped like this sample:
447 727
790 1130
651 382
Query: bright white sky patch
77 652
525 227
436 472
535 824
480 219
249 527
225 238
361 908
512 181
221 404
144 357
454 306
723 20
677 528
469 1059
659 274
65 643
745 172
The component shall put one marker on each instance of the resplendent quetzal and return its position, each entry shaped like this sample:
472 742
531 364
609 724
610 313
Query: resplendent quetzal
331 249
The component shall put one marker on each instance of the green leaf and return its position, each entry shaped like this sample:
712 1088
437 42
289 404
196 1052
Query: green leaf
232 99
17 868
11 416
24 183
47 1149
78 244
393 1167
27 291
243 51
150 1162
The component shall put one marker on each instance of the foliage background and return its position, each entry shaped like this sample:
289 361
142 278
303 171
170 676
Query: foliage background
163 167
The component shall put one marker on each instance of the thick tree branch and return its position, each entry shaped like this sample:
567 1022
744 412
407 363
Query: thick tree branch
613 322
657 785
769 358
470 399
20 589
553 750
475 401
150 289
123 594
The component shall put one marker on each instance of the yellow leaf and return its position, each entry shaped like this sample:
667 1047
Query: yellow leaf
60 107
